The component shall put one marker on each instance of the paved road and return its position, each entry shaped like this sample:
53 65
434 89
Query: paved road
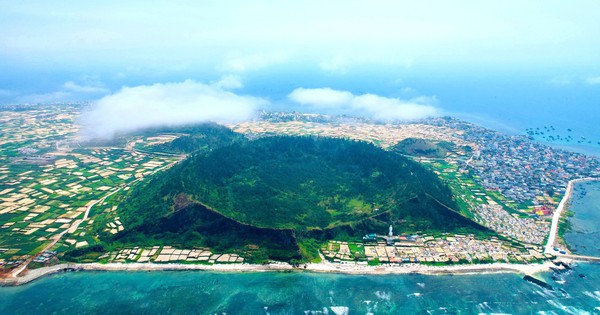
556 218
71 229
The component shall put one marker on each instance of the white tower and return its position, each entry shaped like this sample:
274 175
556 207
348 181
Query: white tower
391 233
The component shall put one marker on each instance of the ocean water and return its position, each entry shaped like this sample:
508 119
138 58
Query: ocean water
576 292
584 237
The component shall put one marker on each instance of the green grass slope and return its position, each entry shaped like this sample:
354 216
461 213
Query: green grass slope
289 187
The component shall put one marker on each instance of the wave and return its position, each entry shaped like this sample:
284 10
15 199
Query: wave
567 309
483 306
340 310
386 296
546 293
325 311
594 295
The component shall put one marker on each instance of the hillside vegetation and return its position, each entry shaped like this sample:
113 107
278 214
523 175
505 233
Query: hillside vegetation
423 147
190 138
198 137
279 197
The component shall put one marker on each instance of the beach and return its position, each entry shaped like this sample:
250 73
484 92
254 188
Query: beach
526 269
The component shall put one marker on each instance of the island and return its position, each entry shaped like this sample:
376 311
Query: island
285 191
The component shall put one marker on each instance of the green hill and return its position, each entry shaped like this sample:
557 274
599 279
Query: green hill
192 138
283 195
423 147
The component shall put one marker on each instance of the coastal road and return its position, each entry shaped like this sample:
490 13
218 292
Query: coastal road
549 249
555 219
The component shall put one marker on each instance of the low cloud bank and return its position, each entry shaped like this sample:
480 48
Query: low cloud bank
593 80
375 106
166 104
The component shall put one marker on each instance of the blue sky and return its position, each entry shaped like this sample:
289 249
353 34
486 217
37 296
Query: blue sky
456 56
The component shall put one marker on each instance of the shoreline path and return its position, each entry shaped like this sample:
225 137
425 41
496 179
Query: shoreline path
549 249
527 269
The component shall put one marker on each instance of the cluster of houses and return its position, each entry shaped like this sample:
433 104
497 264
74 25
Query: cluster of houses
44 257
384 135
429 249
519 168
527 230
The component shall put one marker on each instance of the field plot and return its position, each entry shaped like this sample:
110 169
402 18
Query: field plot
47 181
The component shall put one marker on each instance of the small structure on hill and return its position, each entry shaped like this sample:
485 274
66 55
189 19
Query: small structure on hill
390 238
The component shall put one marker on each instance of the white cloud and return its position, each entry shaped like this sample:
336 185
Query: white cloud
593 80
341 63
384 108
337 64
323 97
407 90
229 82
241 63
378 107
163 104
561 81
424 100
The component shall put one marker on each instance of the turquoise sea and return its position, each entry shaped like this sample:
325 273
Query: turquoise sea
576 292
584 237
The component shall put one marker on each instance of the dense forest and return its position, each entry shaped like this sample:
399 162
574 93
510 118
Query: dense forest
281 196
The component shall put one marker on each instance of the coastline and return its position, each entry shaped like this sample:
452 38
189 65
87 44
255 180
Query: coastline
351 269
558 213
